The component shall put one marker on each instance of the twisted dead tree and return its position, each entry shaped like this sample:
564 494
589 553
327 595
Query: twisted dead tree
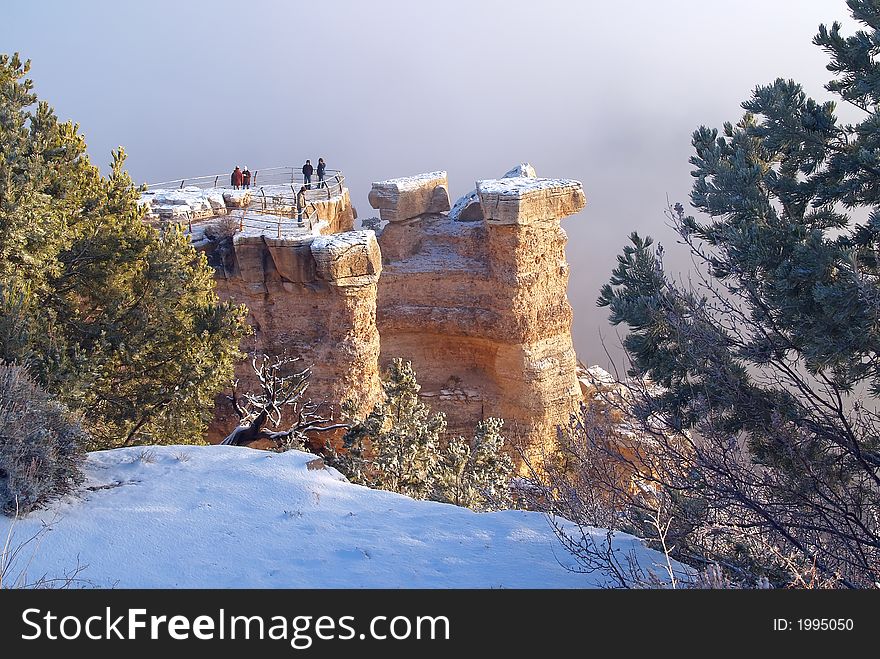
281 396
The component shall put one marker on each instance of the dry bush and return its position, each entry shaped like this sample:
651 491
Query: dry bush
226 227
40 444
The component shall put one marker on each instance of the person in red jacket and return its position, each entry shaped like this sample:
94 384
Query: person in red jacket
236 178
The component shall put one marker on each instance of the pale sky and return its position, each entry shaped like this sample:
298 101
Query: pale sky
604 92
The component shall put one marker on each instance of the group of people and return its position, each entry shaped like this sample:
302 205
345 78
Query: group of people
308 170
241 179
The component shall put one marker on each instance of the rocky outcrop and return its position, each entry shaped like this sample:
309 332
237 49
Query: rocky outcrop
401 199
337 212
191 204
312 297
524 201
467 208
475 298
237 198
480 307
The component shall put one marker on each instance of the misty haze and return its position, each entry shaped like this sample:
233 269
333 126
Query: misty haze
605 93
336 295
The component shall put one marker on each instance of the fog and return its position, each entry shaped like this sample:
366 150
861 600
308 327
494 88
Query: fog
607 93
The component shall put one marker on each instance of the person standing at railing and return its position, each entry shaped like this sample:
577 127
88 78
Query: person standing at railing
300 203
246 177
321 168
236 178
307 174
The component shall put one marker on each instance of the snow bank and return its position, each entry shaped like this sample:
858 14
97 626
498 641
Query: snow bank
194 203
230 517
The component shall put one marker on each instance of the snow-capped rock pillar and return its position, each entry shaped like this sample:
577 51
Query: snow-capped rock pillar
401 199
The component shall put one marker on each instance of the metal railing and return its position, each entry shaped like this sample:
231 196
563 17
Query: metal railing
283 210
302 213
267 212
334 180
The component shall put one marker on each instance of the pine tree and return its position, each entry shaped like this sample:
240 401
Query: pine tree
400 447
775 359
117 319
476 473
400 436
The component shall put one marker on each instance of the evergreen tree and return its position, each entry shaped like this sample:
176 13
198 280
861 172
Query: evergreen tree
400 436
775 360
476 473
117 319
400 447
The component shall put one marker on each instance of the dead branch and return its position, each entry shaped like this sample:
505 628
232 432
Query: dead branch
281 396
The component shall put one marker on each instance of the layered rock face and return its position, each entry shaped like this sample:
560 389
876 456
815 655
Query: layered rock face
337 212
399 199
478 301
312 297
473 294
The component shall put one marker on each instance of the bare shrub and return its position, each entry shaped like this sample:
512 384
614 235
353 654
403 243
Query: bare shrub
226 227
281 402
40 444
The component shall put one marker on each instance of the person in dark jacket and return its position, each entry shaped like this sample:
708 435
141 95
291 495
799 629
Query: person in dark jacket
246 177
307 174
236 178
321 168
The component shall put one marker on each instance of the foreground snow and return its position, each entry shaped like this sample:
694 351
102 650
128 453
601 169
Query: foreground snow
229 517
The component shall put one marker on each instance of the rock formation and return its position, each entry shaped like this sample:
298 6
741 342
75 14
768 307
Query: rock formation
191 204
474 295
410 196
337 212
478 303
312 297
468 209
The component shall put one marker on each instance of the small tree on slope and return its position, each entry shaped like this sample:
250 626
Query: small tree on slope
774 360
399 447
476 473
400 438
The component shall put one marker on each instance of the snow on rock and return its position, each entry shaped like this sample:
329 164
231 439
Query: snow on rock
194 203
404 198
598 375
215 198
237 198
183 203
467 208
348 259
525 200
232 517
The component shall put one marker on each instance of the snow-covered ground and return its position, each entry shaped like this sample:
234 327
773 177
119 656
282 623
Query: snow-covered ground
231 517
195 203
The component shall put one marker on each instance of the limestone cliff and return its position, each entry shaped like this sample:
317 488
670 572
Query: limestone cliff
474 295
312 297
191 204
478 303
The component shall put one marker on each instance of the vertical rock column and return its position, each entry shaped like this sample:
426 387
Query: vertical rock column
478 302
526 255
312 297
